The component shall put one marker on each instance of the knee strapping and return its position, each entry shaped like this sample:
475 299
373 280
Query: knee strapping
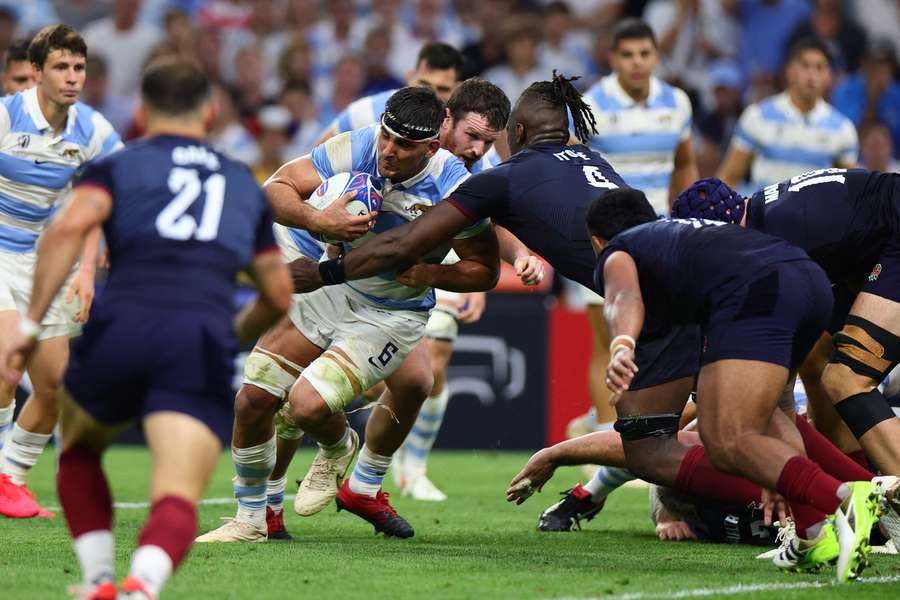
862 412
271 372
866 348
639 427
337 379
442 325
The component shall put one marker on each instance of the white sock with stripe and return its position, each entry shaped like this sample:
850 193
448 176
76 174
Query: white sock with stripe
21 452
96 555
369 472
607 480
253 466
275 494
6 417
423 434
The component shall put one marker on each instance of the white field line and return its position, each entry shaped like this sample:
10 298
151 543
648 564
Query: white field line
736 590
140 505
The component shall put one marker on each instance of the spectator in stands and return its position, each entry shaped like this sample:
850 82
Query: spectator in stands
716 126
565 47
765 27
179 33
349 78
521 36
879 19
9 22
295 63
274 123
691 33
300 15
118 111
28 16
377 49
78 13
329 40
297 97
227 133
263 31
124 43
488 50
876 149
248 90
873 94
18 74
794 131
845 40
208 52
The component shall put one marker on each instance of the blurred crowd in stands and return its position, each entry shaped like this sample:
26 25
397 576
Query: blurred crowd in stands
285 69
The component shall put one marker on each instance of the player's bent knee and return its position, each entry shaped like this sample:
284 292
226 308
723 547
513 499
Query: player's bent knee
252 402
336 378
270 372
866 349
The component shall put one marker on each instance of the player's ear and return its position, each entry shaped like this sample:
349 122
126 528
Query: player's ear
448 120
433 147
598 244
211 110
140 117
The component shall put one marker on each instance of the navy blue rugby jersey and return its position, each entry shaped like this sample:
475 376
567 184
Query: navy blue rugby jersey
185 220
541 194
841 217
682 263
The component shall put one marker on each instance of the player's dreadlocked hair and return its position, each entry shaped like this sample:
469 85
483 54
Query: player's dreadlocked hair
559 91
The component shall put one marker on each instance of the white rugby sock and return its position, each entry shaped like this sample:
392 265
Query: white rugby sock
607 480
253 466
339 448
21 453
275 493
153 566
6 417
424 432
369 472
96 555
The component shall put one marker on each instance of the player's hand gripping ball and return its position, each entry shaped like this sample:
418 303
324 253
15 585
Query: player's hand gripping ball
364 191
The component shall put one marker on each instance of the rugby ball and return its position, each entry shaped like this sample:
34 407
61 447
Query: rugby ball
366 196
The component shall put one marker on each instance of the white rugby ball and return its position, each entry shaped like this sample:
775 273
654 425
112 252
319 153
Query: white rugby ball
366 196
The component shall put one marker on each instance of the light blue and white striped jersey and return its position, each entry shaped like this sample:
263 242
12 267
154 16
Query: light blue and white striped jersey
36 166
639 139
490 159
362 112
357 151
785 141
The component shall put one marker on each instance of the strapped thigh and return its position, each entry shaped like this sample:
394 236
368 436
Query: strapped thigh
866 348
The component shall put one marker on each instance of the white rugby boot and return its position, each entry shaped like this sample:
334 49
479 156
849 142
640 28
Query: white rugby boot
233 531
323 480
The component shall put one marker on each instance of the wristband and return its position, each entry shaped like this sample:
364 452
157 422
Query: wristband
620 340
332 271
29 328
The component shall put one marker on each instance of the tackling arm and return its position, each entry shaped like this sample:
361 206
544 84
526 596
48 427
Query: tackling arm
477 270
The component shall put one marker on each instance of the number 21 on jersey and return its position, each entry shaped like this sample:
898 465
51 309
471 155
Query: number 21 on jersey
175 223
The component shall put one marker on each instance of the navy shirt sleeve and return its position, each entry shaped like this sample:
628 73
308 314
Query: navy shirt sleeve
484 195
97 173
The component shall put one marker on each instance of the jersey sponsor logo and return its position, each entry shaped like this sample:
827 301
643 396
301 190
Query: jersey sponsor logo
23 141
70 153
876 271
418 209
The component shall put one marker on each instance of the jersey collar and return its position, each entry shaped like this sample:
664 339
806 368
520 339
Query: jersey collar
615 90
819 111
33 108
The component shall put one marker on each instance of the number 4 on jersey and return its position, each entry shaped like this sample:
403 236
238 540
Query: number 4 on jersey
173 221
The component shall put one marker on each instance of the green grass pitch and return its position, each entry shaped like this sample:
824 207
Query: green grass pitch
473 546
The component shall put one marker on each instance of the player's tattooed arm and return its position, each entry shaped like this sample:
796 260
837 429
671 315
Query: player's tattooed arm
289 188
478 268
624 312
